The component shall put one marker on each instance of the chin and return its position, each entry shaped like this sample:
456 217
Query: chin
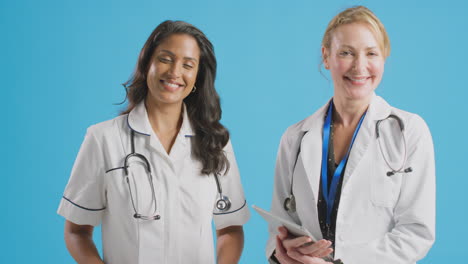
360 93
166 99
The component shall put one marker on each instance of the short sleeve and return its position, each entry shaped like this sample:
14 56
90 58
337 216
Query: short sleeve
83 201
231 185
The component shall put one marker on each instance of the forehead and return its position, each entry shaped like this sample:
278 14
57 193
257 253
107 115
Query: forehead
180 45
356 35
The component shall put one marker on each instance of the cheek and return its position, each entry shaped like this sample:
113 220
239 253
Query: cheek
340 67
377 68
152 76
191 77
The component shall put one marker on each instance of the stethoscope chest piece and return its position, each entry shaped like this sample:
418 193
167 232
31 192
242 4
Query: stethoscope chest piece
290 204
223 203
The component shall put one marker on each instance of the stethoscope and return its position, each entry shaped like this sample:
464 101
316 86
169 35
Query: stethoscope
223 203
400 169
290 202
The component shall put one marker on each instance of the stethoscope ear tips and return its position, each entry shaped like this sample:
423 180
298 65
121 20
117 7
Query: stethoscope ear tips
391 173
290 204
139 216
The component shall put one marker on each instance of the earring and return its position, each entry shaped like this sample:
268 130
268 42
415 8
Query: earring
194 89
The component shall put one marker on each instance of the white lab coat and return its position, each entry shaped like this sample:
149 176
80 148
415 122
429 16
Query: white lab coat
98 193
380 219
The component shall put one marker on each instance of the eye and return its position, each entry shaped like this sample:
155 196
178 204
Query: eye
188 66
345 53
165 60
372 53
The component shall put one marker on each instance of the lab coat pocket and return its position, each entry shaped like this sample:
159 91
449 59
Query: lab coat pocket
384 189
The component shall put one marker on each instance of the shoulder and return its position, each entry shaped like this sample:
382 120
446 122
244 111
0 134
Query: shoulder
294 131
106 140
415 128
228 147
108 129
298 129
413 123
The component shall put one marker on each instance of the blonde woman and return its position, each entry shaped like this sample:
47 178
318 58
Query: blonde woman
358 173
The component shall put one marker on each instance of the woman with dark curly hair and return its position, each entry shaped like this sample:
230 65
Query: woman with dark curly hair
157 175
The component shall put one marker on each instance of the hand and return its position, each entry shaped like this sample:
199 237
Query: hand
300 250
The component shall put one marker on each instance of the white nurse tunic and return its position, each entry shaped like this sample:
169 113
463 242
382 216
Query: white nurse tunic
185 199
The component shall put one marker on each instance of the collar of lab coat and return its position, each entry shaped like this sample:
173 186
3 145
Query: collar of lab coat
378 109
311 145
138 121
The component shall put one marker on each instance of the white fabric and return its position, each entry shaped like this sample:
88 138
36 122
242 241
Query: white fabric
97 193
380 219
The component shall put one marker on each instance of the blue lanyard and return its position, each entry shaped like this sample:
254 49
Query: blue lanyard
329 196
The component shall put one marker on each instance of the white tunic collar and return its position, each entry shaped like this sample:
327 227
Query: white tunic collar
138 121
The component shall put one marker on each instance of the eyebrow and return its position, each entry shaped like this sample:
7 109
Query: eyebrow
351 47
185 58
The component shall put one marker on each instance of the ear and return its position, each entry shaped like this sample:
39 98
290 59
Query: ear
325 54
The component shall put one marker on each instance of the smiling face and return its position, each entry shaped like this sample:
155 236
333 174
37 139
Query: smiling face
173 70
355 60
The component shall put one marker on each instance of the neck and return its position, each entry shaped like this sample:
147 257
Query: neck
164 118
348 112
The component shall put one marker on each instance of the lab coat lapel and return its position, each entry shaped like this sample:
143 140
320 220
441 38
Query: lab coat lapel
311 148
378 109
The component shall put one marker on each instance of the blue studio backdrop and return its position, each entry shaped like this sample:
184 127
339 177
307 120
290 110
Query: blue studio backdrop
63 63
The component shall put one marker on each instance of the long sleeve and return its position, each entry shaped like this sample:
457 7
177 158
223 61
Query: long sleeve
282 184
414 213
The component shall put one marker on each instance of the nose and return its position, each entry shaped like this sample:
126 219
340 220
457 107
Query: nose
360 64
175 70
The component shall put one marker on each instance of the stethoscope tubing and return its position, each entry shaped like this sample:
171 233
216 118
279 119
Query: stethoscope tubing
223 202
289 202
405 147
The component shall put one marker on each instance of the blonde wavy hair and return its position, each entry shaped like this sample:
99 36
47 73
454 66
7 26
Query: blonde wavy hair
358 14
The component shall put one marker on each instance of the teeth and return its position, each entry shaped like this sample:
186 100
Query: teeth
173 85
357 80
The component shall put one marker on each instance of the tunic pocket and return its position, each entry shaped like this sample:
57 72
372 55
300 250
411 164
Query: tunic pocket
384 189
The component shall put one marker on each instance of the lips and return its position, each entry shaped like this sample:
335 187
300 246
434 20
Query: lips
171 86
357 80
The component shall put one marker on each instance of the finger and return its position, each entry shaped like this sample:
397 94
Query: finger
316 249
305 259
283 232
295 243
323 253
284 259
281 254
279 246
319 254
280 258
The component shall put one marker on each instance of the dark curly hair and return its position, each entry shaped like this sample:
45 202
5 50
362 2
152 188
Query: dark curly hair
203 106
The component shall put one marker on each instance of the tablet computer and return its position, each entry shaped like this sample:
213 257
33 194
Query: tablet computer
277 221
